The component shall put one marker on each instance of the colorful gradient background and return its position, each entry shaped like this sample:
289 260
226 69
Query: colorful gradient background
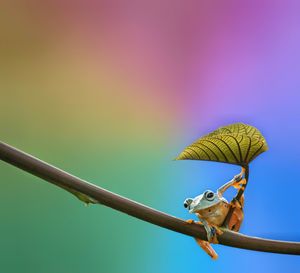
112 92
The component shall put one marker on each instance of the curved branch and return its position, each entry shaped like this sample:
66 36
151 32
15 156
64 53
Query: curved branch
62 179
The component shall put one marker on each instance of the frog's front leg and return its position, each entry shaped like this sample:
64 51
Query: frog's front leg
237 182
212 232
239 176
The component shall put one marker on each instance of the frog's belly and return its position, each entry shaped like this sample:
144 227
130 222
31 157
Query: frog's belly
216 214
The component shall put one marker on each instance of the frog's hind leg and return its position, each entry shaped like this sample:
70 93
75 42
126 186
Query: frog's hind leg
212 232
237 214
207 248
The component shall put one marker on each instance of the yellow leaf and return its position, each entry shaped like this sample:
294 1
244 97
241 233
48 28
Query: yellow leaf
237 143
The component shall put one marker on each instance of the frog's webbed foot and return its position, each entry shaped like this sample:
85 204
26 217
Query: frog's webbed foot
191 221
238 177
240 184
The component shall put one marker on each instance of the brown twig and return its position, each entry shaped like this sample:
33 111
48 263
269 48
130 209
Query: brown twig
62 179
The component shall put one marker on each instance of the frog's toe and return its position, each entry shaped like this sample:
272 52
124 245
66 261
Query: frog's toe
238 177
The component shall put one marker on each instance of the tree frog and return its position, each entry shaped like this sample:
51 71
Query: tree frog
212 208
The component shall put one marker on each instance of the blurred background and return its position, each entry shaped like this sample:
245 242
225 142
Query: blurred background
112 92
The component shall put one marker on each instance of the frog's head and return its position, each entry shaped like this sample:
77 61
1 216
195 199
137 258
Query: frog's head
202 201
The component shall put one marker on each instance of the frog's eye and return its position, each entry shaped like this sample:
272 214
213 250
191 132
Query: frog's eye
209 195
187 202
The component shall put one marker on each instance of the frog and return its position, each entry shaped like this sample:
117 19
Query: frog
212 209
